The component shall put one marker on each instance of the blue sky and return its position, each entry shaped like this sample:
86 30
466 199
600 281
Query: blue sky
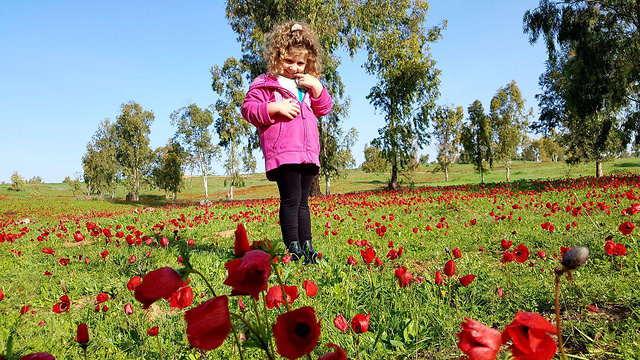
65 66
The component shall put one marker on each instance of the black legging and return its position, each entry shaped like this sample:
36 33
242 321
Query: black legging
294 184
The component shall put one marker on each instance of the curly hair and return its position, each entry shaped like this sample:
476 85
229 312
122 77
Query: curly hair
286 38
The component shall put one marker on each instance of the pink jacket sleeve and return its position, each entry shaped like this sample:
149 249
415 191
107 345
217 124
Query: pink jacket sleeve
254 108
322 105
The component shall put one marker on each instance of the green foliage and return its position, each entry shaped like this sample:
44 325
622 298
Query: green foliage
447 124
168 169
591 86
17 182
100 162
424 160
509 121
476 139
131 138
407 87
194 136
35 180
374 160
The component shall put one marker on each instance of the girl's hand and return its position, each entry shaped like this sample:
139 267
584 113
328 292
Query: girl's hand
286 107
310 83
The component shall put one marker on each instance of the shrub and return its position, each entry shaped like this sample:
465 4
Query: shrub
17 182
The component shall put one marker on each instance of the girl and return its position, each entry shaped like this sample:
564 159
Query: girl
284 105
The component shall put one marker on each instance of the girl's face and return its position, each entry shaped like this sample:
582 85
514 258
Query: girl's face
294 63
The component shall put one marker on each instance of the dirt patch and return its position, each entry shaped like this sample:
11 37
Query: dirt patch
226 233
85 242
418 266
154 312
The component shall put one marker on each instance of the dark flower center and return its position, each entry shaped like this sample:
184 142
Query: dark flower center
302 329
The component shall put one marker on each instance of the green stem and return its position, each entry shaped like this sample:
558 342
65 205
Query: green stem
235 335
205 280
373 285
160 348
284 294
265 347
557 296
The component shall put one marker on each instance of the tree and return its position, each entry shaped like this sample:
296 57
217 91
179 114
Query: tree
193 134
17 182
591 86
530 149
447 124
476 138
335 152
131 138
100 163
374 160
509 120
231 128
168 170
408 82
550 148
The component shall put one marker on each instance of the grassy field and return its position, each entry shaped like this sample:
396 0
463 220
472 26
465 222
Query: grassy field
422 224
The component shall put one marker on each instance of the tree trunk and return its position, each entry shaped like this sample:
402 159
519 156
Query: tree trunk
482 175
136 184
393 183
206 184
315 186
599 172
508 174
446 174
175 196
230 195
328 183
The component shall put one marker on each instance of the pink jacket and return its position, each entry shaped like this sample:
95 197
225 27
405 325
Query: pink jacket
285 141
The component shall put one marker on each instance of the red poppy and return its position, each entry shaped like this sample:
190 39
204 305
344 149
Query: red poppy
153 331
473 221
610 247
542 254
1 295
352 261
156 285
249 275
296 332
626 228
456 253
360 323
505 244
38 356
529 333
182 298
274 296
621 249
592 308
466 280
63 305
128 309
133 282
104 254
478 341
521 253
338 354
400 271
82 334
450 268
500 292
405 280
102 297
341 323
163 241
507 257
438 278
241 245
368 255
208 324
564 249
310 288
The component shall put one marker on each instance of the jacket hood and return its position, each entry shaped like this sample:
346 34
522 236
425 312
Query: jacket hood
264 80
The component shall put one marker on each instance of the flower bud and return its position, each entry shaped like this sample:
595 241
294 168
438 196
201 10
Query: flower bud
575 257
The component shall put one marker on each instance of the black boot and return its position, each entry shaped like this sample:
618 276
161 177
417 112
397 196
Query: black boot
310 255
295 250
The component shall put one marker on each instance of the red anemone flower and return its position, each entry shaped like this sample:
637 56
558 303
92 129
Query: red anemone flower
209 323
153 331
274 296
466 280
529 333
368 255
133 282
521 253
38 356
438 278
405 280
249 275
63 305
478 341
310 288
296 332
338 354
626 228
505 244
456 253
82 334
450 268
610 247
181 299
507 256
360 323
156 285
341 323
241 245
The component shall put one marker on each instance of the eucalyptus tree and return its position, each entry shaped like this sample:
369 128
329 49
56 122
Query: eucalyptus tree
476 138
168 169
591 85
99 163
509 121
447 125
407 86
232 130
195 137
131 138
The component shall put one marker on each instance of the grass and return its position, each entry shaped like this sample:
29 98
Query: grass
415 322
